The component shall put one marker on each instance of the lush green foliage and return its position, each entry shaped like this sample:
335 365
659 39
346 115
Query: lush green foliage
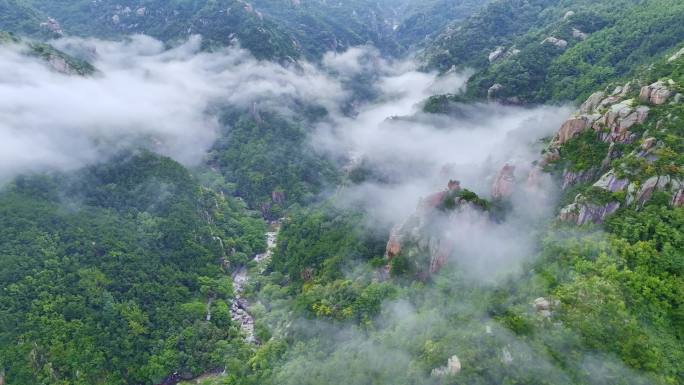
620 36
425 19
641 34
219 21
16 16
265 156
498 24
322 243
268 28
583 152
618 293
106 274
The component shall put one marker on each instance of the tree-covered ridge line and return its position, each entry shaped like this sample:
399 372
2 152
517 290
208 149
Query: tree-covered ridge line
269 29
55 59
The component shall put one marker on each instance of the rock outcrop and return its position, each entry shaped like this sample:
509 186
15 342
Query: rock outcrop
577 34
615 119
619 118
501 53
678 198
427 239
424 238
676 56
610 116
494 90
606 115
596 213
504 184
591 104
394 244
53 26
506 356
544 306
640 194
582 211
60 65
278 197
494 94
610 182
657 93
571 178
572 127
497 54
452 368
558 43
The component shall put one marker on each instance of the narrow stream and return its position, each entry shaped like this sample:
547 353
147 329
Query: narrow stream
240 306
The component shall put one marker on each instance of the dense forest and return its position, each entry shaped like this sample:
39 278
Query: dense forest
595 43
387 192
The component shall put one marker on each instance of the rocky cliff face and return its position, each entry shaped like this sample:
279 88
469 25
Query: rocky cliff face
424 242
504 184
620 119
628 127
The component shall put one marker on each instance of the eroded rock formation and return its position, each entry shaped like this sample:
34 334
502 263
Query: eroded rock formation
452 368
583 211
53 26
424 238
497 54
427 239
504 184
612 117
558 43
657 93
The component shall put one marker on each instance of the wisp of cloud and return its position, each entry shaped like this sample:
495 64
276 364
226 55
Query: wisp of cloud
142 95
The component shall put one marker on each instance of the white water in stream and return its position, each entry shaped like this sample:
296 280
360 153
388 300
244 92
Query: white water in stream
239 309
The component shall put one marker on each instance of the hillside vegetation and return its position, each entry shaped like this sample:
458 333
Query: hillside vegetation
600 41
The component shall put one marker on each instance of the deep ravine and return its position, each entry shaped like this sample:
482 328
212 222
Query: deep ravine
239 308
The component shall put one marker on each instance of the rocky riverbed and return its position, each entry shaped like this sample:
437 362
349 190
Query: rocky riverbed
240 306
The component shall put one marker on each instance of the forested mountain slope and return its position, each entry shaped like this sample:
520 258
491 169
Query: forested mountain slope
111 284
54 58
536 51
17 16
219 22
270 29
420 22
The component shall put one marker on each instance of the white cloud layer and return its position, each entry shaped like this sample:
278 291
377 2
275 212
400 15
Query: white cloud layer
142 94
